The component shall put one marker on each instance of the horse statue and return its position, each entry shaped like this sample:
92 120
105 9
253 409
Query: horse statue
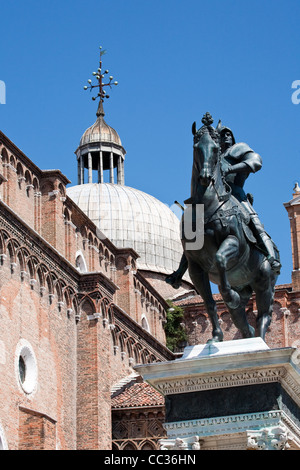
230 255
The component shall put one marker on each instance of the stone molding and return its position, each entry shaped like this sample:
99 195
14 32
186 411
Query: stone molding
193 384
225 371
271 430
227 380
223 367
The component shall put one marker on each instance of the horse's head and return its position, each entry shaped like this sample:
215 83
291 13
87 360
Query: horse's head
206 151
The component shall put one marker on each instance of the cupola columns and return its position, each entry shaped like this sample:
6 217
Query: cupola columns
90 167
100 169
101 161
111 168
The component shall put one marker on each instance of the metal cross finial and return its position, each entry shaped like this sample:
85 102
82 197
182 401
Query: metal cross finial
99 75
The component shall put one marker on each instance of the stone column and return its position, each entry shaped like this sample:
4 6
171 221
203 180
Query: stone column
123 172
100 168
81 169
90 168
119 170
122 179
111 179
78 171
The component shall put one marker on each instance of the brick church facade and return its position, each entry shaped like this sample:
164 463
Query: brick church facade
70 336
66 336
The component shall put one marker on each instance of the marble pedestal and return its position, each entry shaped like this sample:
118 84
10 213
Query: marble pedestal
230 396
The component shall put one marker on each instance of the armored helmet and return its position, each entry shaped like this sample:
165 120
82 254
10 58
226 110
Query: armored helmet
222 129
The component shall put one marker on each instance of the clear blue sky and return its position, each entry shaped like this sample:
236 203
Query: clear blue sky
174 60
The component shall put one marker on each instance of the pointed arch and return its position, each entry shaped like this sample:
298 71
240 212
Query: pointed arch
87 305
80 262
11 249
40 275
4 155
21 260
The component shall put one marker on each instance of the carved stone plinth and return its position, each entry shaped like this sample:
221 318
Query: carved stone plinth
231 395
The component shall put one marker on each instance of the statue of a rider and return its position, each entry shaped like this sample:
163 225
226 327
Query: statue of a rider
238 161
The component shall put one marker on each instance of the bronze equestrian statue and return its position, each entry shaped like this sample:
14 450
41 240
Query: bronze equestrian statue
237 254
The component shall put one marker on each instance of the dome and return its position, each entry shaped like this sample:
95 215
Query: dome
131 218
100 131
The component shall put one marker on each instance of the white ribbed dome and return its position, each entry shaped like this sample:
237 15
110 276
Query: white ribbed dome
133 219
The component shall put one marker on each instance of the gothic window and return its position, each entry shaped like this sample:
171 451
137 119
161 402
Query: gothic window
80 263
145 323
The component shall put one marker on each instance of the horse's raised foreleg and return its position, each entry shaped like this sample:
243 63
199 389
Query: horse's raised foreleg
176 277
228 250
201 282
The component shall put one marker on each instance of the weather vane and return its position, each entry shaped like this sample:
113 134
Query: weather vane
100 76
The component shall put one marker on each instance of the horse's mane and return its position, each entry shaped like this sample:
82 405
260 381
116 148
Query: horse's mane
214 134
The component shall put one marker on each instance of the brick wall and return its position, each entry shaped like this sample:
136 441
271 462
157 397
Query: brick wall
284 330
36 431
27 316
93 384
82 344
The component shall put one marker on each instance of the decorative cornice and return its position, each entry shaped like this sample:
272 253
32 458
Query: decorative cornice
92 281
224 380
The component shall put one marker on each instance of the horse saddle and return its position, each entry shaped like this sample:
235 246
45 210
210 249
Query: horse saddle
245 220
237 210
248 233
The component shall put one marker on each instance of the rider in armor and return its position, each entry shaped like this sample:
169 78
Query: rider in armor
238 161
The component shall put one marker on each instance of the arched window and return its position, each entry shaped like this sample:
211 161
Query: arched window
145 323
80 262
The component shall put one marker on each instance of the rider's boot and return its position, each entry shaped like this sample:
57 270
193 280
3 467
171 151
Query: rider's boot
269 246
264 238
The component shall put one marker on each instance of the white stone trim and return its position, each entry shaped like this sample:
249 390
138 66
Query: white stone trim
212 371
251 425
145 323
82 267
224 380
3 443
24 350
